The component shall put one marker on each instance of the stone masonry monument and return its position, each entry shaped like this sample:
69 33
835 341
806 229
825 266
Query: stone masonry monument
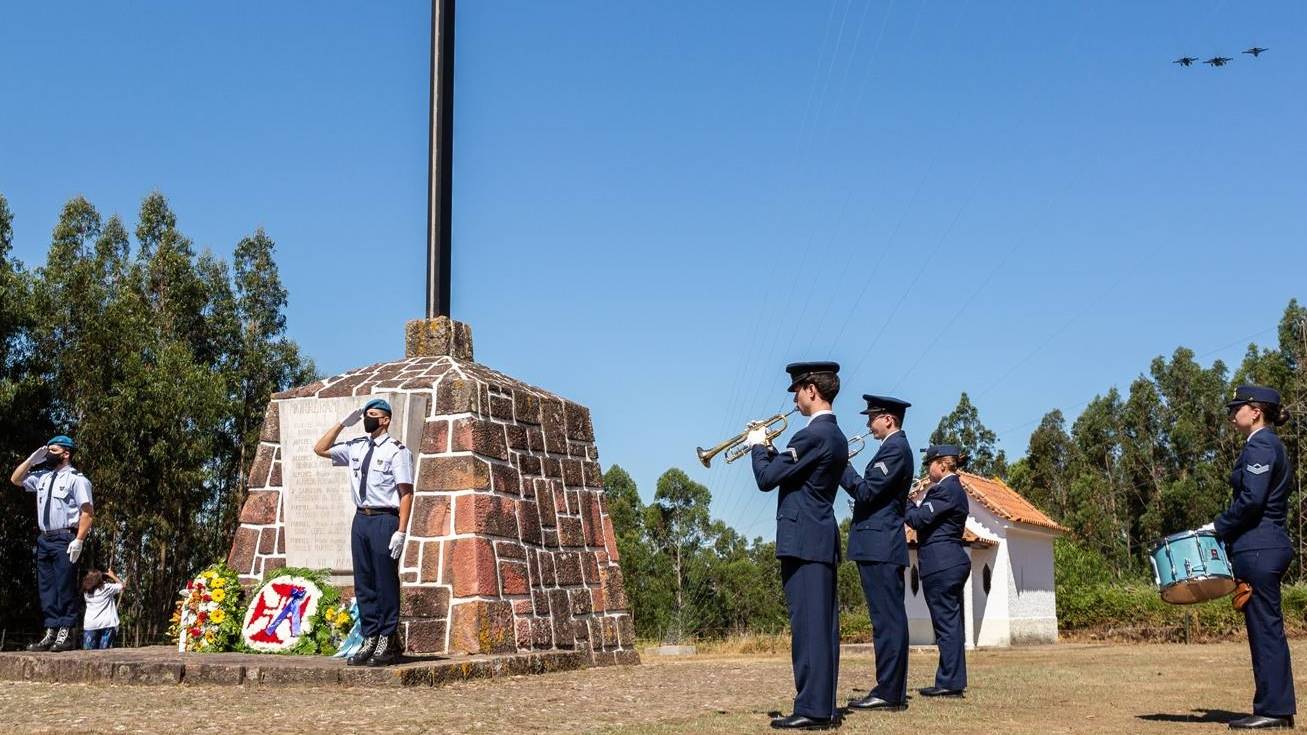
510 546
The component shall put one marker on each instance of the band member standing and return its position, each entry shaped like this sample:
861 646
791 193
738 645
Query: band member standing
63 514
1253 527
381 478
807 537
939 518
878 545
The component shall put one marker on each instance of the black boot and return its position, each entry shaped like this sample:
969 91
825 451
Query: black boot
63 641
43 644
387 652
1260 722
364 653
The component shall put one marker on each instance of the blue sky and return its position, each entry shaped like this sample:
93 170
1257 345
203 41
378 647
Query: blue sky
658 205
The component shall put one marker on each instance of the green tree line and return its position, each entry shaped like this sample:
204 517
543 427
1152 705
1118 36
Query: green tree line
160 361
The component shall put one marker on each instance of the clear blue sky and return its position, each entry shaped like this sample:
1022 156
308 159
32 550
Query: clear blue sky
658 205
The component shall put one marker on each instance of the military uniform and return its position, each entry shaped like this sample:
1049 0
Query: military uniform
878 545
807 473
378 466
60 495
939 521
1253 527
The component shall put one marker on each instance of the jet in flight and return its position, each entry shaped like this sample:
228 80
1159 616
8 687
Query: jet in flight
1218 60
1255 51
1186 60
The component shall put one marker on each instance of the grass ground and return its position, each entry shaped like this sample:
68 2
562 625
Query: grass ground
1068 688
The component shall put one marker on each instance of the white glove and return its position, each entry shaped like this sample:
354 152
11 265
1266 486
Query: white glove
396 544
38 456
74 550
757 436
352 418
1208 527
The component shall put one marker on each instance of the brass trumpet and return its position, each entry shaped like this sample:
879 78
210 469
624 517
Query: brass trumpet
861 439
734 447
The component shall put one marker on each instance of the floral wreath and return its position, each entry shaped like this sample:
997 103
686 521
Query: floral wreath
305 617
208 611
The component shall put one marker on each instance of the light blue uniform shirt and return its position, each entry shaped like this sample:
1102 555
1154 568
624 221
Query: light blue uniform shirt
60 505
391 466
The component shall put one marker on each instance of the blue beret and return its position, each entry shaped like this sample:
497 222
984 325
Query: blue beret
801 372
884 404
1249 393
62 441
378 403
935 451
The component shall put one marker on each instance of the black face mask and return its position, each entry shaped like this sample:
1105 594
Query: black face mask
371 423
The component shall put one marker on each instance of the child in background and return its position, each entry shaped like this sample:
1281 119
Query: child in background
101 620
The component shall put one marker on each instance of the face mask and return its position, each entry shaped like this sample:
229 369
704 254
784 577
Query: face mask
371 423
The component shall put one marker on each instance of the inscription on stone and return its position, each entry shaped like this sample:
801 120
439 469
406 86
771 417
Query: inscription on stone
317 505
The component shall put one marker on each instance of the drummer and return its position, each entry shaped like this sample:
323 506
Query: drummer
1253 528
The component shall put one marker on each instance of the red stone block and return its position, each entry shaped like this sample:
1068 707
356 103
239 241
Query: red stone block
513 578
343 387
423 636
482 626
424 602
481 436
262 466
516 436
549 538
488 514
523 628
625 631
528 522
281 540
553 423
593 476
504 479
610 633
501 407
456 395
577 450
533 566
530 465
610 540
268 541
510 550
483 393
540 601
526 407
470 567
272 564
412 554
523 608
535 439
568 564
590 568
542 633
462 472
548 514
574 502
430 516
260 507
580 602
560 613
548 569
270 431
435 437
552 467
569 532
243 545
430 571
579 427
598 599
572 474
614 588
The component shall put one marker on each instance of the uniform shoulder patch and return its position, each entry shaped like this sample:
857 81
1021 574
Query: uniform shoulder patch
794 454
884 469
1258 469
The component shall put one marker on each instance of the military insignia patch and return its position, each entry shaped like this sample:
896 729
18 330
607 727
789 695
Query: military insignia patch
883 469
928 505
1258 469
794 455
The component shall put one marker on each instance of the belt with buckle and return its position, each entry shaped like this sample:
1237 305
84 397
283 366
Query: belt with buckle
57 531
379 511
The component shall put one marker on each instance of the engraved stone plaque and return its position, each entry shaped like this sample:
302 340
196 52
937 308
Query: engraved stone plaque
317 504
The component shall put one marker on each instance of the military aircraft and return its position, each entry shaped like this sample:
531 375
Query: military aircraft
1256 51
1185 60
1218 60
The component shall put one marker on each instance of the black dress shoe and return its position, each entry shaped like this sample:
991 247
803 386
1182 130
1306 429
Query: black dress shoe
939 692
1261 722
364 653
872 702
799 722
387 651
43 644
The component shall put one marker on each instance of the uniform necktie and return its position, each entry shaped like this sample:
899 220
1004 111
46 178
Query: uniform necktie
49 498
363 476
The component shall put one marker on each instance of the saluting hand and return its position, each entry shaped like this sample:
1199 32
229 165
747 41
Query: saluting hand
38 456
352 418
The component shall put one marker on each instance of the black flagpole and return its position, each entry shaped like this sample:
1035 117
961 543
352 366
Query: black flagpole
441 151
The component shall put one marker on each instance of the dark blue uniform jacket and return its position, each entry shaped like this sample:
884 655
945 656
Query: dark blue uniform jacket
808 473
939 522
1261 482
879 499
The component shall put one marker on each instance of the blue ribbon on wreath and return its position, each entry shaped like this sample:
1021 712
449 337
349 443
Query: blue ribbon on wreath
292 609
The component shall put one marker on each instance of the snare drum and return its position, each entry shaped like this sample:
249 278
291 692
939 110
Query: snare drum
1191 566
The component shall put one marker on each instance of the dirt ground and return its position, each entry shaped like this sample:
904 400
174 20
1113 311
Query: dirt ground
1068 688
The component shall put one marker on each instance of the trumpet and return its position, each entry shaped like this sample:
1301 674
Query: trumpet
735 448
861 440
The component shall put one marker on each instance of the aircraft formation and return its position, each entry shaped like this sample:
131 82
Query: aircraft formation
1255 52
